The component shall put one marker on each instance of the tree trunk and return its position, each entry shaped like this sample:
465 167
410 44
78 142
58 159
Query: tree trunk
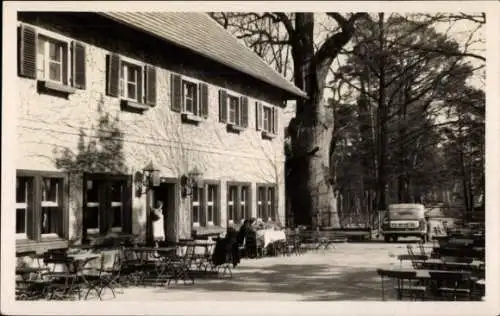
312 195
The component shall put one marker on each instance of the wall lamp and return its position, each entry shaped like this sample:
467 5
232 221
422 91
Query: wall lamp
190 182
147 179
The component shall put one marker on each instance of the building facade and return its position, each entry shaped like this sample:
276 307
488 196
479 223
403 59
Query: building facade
102 95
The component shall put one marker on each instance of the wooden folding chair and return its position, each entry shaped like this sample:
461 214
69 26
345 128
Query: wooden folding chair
404 282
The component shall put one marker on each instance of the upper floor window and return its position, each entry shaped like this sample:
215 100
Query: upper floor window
132 81
267 119
189 98
51 58
233 110
40 205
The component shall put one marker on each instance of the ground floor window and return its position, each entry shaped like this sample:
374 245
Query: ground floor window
107 200
266 202
238 202
41 207
205 206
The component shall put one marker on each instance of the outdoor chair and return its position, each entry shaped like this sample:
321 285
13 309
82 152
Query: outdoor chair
416 260
64 281
106 275
405 283
451 285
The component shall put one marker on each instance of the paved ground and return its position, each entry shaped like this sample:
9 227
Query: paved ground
345 273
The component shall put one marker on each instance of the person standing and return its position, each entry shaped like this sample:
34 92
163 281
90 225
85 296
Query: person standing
158 219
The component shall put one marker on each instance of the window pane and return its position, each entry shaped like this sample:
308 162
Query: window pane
50 189
92 218
188 105
50 220
131 91
117 216
122 87
22 185
131 74
55 51
40 58
92 191
196 218
55 71
210 213
117 191
20 221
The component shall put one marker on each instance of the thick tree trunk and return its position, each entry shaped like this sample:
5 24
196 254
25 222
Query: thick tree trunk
313 201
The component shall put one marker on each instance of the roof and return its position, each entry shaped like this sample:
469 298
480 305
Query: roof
201 34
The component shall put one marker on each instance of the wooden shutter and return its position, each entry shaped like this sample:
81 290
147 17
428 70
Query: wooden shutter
222 106
275 121
140 84
127 207
150 86
175 92
244 111
258 115
196 100
78 76
113 75
275 205
27 51
204 100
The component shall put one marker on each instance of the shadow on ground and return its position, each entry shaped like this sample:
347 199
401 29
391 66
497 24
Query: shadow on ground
311 282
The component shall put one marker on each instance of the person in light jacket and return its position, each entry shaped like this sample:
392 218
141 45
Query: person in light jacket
157 219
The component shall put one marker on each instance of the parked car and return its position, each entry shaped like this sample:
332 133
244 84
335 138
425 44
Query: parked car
404 220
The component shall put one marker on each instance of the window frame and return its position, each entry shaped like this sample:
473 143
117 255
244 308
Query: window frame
123 82
199 203
269 110
269 206
237 203
66 55
196 111
237 109
33 228
105 201
24 205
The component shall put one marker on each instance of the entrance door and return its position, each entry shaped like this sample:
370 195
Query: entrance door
165 192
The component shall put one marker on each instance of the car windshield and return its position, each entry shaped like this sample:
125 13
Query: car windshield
404 214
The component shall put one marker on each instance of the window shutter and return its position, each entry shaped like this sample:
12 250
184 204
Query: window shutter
140 84
204 99
265 214
113 75
27 51
196 100
258 115
275 214
175 93
275 121
244 111
222 106
78 76
150 86
127 207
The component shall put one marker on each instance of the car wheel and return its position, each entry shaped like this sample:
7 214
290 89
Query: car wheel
387 238
394 238
425 238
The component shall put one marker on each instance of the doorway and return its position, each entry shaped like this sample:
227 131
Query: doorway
166 193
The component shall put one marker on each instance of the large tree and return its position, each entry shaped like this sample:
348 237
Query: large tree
310 183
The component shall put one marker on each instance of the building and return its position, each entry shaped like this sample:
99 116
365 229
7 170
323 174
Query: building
104 96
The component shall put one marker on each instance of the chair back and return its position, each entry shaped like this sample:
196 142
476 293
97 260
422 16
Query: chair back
457 259
455 278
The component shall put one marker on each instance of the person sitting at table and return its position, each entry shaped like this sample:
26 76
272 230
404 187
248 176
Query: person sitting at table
158 220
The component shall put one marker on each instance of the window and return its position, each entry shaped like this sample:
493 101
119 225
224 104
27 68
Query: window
244 211
190 97
24 187
51 59
212 204
233 110
40 205
238 202
266 207
266 118
231 203
196 206
51 206
130 81
107 204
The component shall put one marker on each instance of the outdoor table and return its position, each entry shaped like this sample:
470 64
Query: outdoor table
157 260
268 236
